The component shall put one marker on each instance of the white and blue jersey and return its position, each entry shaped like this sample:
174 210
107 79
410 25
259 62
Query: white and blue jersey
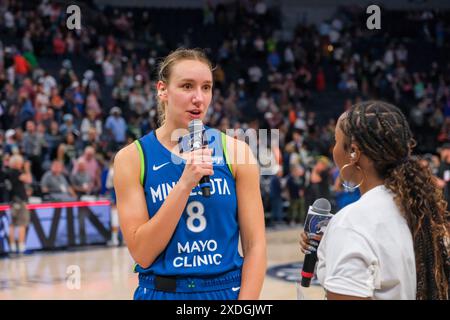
205 241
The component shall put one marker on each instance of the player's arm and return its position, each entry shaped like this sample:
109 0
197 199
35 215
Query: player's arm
251 219
146 238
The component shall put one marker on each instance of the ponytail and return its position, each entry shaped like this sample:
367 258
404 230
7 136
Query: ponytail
421 202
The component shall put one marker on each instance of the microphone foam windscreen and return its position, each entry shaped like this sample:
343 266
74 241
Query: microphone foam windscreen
322 205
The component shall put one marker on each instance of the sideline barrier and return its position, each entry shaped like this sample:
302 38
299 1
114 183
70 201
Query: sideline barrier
56 225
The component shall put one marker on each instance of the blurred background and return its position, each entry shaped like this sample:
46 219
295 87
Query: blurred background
70 99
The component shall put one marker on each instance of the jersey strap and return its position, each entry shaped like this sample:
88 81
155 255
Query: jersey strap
225 152
142 158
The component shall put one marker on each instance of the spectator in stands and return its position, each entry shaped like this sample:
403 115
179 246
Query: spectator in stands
255 74
91 166
120 93
274 61
32 146
68 126
54 185
81 181
78 100
41 102
296 187
47 118
276 200
443 175
116 127
93 140
108 71
19 138
27 111
90 121
319 182
59 46
18 175
320 80
22 67
52 140
4 193
11 146
68 151
137 102
57 103
93 104
49 83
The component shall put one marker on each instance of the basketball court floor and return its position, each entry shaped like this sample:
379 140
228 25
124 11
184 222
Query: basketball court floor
106 272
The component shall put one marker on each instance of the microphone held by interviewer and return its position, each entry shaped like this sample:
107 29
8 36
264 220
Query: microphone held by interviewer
319 214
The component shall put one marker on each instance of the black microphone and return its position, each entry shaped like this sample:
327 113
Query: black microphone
316 221
196 133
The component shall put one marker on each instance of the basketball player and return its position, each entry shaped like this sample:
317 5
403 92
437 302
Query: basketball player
186 245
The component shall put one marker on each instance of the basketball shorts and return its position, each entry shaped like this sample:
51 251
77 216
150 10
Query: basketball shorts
222 287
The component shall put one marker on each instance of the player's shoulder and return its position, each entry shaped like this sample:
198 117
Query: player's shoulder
126 154
239 154
235 144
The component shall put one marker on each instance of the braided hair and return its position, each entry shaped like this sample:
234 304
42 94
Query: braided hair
383 135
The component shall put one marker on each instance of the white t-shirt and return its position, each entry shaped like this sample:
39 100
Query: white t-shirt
367 250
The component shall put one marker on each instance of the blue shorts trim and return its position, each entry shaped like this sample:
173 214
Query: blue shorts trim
190 287
142 293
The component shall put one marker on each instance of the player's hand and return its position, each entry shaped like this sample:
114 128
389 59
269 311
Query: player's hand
198 164
309 242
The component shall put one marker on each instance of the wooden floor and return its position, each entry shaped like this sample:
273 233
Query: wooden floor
106 273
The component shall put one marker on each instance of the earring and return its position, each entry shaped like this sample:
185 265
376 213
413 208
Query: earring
344 183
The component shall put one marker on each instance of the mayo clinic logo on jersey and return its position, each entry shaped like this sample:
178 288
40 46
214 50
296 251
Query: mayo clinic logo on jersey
160 192
201 253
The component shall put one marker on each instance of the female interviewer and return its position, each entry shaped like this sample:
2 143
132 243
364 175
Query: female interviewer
393 242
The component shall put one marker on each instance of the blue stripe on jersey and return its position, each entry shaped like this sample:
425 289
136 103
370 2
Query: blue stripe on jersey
205 241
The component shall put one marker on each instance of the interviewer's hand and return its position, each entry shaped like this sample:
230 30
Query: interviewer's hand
309 242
